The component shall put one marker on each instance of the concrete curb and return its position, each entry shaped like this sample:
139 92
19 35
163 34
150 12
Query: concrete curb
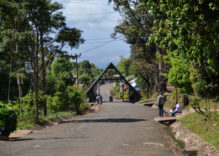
19 133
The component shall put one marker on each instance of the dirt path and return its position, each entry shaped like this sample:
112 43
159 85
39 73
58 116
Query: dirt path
118 129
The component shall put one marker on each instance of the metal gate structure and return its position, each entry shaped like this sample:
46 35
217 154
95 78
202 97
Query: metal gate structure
91 92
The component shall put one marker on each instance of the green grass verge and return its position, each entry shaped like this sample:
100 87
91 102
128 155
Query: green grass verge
144 98
207 129
25 124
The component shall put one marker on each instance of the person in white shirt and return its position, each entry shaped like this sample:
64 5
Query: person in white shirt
177 109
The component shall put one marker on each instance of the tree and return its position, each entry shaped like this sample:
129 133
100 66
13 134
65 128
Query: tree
62 70
37 32
85 79
189 28
124 66
179 74
136 27
14 32
52 21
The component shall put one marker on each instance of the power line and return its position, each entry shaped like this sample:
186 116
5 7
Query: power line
90 3
98 38
98 42
91 14
89 50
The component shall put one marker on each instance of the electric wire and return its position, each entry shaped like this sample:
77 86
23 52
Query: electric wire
90 14
104 4
89 50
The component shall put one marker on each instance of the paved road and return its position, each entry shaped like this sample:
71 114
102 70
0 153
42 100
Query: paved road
105 90
118 129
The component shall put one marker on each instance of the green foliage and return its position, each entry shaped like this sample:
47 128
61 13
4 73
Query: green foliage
85 79
76 97
136 27
29 99
62 71
87 72
71 98
204 128
124 66
8 119
195 105
178 74
188 29
53 103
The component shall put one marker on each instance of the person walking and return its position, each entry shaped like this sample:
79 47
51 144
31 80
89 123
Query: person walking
100 100
160 103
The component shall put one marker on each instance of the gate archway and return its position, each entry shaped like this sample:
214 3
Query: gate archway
92 90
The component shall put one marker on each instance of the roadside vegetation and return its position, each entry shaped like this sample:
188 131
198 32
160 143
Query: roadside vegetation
39 79
207 129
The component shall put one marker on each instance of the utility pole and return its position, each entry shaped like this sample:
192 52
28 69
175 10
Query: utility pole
9 83
75 57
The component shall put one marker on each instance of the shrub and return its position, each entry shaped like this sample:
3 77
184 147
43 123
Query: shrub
76 97
29 98
83 107
8 120
53 103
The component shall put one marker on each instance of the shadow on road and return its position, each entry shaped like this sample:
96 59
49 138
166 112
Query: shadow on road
149 104
105 120
53 138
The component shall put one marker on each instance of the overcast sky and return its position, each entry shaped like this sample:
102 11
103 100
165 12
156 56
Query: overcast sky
97 20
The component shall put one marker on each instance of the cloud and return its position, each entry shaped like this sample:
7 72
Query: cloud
97 20
93 13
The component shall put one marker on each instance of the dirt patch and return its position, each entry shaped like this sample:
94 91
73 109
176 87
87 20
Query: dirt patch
93 108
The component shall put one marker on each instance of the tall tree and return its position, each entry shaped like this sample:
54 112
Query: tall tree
190 29
46 18
136 27
15 30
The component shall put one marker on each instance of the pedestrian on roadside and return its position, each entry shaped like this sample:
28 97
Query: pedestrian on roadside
97 99
177 109
100 100
160 103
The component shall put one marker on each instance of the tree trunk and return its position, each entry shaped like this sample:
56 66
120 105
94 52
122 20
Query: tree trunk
162 83
19 81
176 95
43 68
36 89
36 78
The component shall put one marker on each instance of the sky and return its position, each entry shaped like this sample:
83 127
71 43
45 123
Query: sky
97 20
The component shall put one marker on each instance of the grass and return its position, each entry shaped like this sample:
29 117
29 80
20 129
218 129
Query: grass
25 124
144 98
207 129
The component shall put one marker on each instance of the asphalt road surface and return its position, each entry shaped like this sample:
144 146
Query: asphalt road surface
118 129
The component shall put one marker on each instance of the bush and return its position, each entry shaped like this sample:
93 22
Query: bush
83 107
8 120
75 97
54 104
71 98
29 98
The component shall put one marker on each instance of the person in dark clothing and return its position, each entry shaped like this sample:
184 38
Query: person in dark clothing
160 103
